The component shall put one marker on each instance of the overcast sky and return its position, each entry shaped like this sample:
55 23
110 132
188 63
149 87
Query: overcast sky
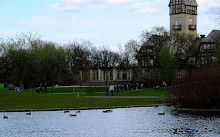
103 22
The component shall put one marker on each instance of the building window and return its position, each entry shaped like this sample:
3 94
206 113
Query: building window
111 75
94 75
97 75
190 21
204 47
208 46
124 76
177 21
177 25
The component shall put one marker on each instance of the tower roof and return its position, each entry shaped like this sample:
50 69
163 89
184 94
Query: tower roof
186 2
190 2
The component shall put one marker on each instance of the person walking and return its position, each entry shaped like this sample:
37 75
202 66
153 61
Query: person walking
40 88
5 86
119 89
45 87
10 87
111 89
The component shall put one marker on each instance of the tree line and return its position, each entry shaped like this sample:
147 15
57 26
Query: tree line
154 58
26 60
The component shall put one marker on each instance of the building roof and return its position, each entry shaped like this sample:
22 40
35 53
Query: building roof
190 2
186 2
213 35
202 40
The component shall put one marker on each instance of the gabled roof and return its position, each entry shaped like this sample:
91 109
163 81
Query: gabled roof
214 34
186 2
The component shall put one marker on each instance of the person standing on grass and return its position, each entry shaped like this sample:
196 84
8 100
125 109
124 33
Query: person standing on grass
10 86
128 87
5 86
45 87
119 89
111 89
137 86
142 85
125 86
40 87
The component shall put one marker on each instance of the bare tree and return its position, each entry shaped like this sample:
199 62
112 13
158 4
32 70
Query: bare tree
78 51
131 50
104 58
215 12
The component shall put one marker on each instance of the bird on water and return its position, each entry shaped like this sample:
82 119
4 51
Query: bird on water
5 117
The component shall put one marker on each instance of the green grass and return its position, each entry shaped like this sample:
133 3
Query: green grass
73 89
144 92
31 100
101 91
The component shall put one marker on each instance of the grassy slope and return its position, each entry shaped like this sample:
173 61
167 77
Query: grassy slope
32 100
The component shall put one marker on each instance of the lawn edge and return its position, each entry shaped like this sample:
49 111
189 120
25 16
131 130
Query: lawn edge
82 108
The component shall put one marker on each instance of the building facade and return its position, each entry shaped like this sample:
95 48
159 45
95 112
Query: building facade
111 74
183 16
183 19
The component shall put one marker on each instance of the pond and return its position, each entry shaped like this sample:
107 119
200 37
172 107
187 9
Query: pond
125 122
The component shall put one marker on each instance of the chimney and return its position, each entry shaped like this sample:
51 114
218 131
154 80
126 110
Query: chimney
202 36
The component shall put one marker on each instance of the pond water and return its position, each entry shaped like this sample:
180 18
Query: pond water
126 122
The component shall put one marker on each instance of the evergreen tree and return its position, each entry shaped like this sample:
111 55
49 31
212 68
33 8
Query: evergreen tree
167 64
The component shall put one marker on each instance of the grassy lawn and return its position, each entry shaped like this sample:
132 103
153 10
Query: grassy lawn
144 92
73 89
32 100
101 91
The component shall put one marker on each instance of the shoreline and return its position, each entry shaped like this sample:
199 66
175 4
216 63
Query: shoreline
197 110
83 108
181 110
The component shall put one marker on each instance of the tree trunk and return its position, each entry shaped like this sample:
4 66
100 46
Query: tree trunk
52 91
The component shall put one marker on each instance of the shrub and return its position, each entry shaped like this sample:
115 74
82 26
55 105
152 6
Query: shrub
199 89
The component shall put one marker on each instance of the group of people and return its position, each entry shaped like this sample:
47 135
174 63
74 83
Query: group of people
7 86
40 88
112 88
11 87
134 86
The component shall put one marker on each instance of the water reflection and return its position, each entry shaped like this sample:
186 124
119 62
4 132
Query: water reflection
130 122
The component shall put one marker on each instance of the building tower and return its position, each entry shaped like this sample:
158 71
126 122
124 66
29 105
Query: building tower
183 16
